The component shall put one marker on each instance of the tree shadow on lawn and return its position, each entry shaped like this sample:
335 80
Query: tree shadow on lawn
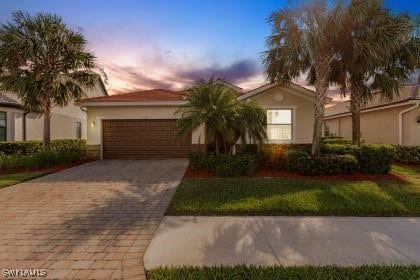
298 197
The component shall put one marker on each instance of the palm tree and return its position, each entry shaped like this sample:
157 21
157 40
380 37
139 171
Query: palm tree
303 41
44 63
376 53
214 106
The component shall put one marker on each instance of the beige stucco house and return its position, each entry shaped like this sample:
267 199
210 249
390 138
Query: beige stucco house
395 121
67 122
140 124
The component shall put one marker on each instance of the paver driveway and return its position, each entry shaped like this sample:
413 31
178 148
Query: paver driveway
93 221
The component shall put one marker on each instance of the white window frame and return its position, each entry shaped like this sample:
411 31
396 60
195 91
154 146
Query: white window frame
294 126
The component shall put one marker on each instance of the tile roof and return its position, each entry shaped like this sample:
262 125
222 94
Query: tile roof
8 102
409 92
152 95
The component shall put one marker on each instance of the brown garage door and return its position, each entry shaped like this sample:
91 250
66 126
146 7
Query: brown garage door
143 139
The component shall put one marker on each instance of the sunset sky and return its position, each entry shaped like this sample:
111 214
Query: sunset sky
168 44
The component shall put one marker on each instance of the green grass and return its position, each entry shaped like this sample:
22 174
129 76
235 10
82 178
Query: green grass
273 196
12 179
393 272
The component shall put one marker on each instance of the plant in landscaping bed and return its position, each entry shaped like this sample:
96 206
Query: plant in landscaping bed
44 62
33 146
226 165
408 154
376 158
335 140
301 162
225 119
40 160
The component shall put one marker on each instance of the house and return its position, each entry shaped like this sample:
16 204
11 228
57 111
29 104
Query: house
68 122
395 121
140 124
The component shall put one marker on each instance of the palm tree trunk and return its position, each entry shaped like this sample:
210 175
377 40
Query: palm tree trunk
47 125
321 86
355 102
216 144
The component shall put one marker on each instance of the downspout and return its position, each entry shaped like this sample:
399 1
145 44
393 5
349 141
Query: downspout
400 121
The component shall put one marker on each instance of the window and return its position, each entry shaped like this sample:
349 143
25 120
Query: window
326 130
3 126
279 124
78 130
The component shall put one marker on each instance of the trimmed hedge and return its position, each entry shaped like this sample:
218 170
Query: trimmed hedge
301 162
40 160
226 165
336 140
408 154
340 149
376 158
31 147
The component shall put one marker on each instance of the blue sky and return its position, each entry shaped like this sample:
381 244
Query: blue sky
166 43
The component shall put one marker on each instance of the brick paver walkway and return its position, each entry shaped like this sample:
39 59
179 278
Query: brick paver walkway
93 221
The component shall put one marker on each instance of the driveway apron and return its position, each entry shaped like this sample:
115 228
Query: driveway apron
92 221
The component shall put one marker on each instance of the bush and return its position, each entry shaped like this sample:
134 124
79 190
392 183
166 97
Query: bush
336 140
340 149
376 158
226 165
40 160
31 147
408 154
300 161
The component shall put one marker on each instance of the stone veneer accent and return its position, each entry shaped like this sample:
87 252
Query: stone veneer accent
93 151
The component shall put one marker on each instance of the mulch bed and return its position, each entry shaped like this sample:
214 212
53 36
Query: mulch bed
267 172
53 169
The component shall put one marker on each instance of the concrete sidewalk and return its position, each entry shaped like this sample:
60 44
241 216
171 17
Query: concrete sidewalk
208 241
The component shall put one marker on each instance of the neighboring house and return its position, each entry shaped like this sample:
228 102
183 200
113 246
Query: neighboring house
395 121
67 122
140 124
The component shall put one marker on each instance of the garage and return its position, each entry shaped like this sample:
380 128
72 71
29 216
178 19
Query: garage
143 138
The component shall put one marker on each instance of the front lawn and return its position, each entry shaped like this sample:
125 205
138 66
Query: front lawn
12 179
394 272
278 196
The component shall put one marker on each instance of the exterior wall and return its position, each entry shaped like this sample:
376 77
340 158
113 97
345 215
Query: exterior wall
62 126
411 128
303 112
95 115
14 123
63 121
380 126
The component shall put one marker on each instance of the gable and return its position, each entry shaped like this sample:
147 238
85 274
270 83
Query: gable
279 96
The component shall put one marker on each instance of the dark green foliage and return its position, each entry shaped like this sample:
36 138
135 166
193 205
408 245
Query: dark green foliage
226 165
40 160
300 196
384 272
335 140
30 147
408 154
376 158
301 162
340 149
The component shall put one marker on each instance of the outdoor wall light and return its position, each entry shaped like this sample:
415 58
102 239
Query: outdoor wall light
418 119
92 123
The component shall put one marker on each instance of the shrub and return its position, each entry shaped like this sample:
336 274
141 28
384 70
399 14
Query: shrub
30 147
340 149
226 165
376 158
40 160
299 161
336 140
408 154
